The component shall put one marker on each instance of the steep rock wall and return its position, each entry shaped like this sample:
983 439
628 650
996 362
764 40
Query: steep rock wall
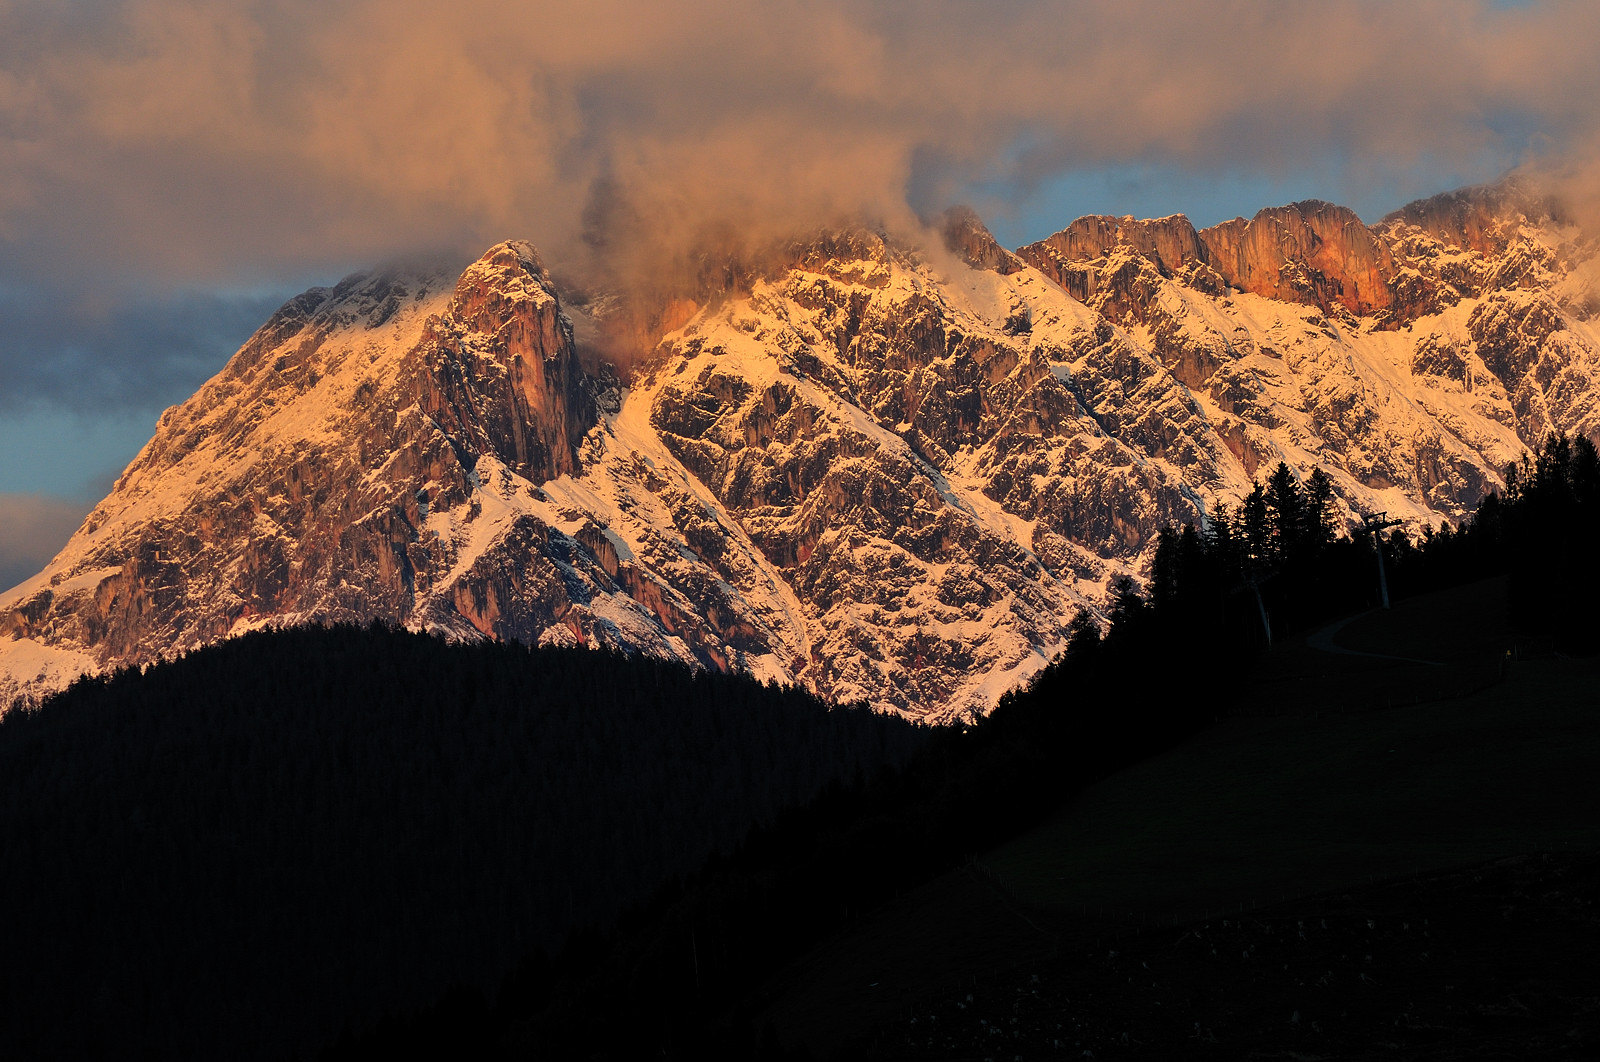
880 467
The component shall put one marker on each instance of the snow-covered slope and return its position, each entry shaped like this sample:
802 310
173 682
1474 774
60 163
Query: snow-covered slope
886 469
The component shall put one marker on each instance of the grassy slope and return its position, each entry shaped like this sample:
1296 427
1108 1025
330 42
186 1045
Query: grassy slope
1259 808
1316 784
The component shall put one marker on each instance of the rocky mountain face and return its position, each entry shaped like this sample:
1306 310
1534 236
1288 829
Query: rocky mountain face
890 469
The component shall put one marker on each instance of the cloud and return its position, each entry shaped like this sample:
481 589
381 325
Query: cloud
192 138
157 145
87 350
33 528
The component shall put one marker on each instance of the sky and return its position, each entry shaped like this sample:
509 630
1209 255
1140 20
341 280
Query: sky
172 170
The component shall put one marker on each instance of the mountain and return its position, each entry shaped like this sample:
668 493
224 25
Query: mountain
887 468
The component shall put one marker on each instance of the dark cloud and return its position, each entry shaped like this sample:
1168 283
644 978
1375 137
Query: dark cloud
93 352
33 528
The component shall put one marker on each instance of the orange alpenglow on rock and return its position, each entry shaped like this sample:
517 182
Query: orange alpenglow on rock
860 461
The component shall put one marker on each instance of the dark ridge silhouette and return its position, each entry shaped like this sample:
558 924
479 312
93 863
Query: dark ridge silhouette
239 853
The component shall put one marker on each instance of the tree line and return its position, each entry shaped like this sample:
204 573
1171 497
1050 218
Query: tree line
1279 561
1542 532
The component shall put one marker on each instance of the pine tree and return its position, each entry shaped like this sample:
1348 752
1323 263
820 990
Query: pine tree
1085 637
1193 565
1255 525
1165 569
1220 541
1585 473
1550 469
1286 510
1127 606
1321 516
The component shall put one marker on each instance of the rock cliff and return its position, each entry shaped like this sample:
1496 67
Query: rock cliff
887 467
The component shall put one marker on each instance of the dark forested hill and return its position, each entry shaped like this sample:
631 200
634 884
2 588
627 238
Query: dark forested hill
361 841
238 853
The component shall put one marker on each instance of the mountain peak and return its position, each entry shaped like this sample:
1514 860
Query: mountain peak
501 371
841 463
1310 252
1483 218
968 237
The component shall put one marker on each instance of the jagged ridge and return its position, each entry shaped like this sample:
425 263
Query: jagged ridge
886 469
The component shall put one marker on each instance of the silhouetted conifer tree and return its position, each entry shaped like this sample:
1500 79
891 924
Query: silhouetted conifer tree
1126 608
1085 633
1285 510
1166 573
1321 515
1255 525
